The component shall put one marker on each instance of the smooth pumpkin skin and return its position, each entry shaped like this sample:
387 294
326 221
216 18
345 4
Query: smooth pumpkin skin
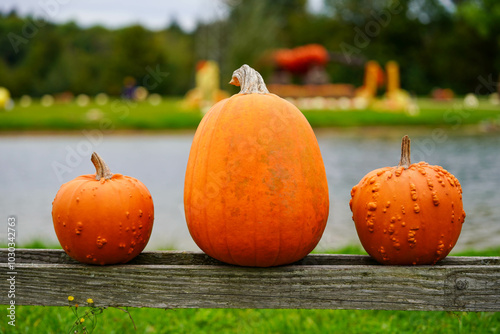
256 192
103 221
408 216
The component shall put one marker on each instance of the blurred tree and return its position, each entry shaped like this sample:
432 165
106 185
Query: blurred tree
10 32
43 52
178 55
424 36
134 51
211 42
456 45
482 19
254 28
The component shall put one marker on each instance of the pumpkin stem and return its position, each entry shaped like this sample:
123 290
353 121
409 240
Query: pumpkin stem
250 80
102 170
405 153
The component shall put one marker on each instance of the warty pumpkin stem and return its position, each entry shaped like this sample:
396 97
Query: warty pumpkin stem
102 170
405 153
250 80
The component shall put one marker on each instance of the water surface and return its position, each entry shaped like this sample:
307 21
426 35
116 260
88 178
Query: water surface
33 167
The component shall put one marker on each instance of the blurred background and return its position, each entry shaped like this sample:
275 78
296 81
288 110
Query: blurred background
132 80
90 47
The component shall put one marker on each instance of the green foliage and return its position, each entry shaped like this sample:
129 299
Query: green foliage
61 58
85 319
437 45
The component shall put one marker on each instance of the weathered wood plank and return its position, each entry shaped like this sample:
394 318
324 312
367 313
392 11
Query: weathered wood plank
58 256
192 280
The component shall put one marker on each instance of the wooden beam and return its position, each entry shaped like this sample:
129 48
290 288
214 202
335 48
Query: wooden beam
173 279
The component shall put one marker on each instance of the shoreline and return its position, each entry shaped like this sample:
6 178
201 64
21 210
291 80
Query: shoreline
381 130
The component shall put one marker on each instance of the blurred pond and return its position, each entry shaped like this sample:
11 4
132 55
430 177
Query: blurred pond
29 182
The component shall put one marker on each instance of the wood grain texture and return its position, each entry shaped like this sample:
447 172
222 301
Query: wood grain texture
194 280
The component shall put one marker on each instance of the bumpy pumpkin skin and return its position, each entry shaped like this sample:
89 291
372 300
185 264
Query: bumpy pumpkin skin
256 192
103 221
408 216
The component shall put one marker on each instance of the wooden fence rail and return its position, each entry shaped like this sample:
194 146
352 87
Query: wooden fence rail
173 279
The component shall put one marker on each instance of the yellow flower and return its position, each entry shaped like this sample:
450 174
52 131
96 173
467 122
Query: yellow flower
90 301
71 298
82 320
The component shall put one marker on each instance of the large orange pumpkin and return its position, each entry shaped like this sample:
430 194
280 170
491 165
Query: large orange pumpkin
103 218
255 191
409 214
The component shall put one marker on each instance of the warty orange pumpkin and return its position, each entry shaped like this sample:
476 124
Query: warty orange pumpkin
255 191
408 214
103 218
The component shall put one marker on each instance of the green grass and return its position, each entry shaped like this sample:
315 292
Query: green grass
39 319
483 252
38 244
355 249
171 114
432 113
117 114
